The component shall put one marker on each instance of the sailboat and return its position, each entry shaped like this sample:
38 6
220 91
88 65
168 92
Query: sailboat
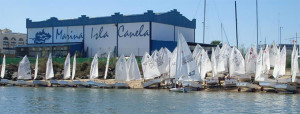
121 72
24 72
75 82
214 79
67 72
50 71
286 85
38 82
93 72
186 68
3 81
150 71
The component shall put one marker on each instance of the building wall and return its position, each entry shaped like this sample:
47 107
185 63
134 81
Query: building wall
8 41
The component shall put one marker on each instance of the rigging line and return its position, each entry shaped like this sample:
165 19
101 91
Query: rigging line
197 8
225 35
219 18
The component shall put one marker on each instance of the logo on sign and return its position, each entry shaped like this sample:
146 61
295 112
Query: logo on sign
125 33
41 37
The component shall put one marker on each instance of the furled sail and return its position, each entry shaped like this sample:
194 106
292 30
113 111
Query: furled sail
266 60
273 54
173 64
259 66
36 67
107 64
94 68
276 62
74 67
24 71
49 68
213 63
3 67
294 65
67 67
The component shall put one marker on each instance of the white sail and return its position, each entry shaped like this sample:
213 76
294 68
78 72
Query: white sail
266 60
259 66
236 63
94 67
173 62
149 67
121 69
67 67
107 64
49 68
273 54
213 63
282 61
222 58
24 71
276 62
294 65
74 67
250 60
196 51
36 68
186 66
204 64
3 67
163 61
133 69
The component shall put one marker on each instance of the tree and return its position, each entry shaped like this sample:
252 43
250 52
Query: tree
216 42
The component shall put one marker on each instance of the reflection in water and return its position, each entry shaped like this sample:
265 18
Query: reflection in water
89 100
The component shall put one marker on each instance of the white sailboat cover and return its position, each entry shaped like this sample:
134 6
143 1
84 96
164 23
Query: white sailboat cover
276 62
49 68
149 67
186 66
282 61
294 65
213 63
36 67
236 63
250 60
74 67
67 67
133 69
121 69
24 71
266 60
94 67
107 64
273 54
3 67
173 63
259 66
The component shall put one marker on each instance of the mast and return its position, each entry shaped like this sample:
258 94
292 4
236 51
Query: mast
221 32
204 21
256 25
236 30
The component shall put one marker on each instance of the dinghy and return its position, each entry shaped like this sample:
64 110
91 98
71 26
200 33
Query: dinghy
67 72
150 71
38 82
121 73
93 72
186 68
3 81
50 71
24 72
75 82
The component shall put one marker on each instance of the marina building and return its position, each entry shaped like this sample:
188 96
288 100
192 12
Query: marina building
121 34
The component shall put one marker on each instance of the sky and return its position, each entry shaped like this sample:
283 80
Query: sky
272 14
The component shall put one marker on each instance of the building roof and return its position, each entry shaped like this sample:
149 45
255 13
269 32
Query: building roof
48 45
172 17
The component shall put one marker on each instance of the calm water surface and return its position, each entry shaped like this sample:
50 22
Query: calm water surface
87 100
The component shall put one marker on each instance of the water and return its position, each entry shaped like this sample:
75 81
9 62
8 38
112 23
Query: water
89 100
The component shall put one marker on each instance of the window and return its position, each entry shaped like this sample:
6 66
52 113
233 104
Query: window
13 42
21 41
5 42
